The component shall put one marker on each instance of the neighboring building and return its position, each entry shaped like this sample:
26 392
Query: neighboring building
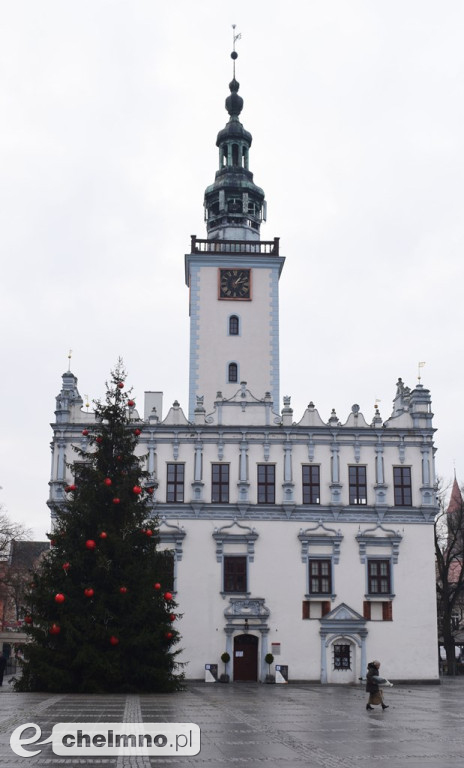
312 540
15 575
453 558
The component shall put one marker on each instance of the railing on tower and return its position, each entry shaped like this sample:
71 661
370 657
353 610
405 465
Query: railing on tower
266 247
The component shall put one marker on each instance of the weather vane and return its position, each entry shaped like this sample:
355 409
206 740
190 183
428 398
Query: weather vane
235 37
419 366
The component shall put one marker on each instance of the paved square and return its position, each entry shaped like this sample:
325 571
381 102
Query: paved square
270 726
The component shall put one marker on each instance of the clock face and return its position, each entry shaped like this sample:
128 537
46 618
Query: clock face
235 284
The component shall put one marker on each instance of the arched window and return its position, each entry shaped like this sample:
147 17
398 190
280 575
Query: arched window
233 325
233 372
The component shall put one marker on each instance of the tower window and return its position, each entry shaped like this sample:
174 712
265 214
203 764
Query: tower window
235 154
233 372
233 325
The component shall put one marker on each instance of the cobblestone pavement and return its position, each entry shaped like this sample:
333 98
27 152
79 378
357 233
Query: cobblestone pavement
269 726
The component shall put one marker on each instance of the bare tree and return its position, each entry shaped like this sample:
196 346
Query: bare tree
12 580
449 552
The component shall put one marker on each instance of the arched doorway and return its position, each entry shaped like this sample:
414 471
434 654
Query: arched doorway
246 657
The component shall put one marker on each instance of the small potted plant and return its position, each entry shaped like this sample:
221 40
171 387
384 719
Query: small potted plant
225 658
269 658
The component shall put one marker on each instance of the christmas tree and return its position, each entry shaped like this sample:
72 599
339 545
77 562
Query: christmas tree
100 613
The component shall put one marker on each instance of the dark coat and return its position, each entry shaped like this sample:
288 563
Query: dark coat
372 685
2 663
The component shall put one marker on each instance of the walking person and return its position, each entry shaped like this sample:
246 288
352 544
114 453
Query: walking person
373 683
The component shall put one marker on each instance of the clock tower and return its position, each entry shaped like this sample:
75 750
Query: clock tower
233 277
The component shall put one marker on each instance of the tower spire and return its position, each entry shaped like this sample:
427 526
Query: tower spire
234 205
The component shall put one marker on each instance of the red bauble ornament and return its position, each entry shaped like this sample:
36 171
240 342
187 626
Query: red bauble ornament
28 619
172 617
52 542
59 598
116 500
114 640
123 590
168 635
70 488
167 596
149 532
90 544
99 439
150 490
137 489
85 432
131 403
137 432
103 535
89 592
55 629
108 481
157 585
121 384
66 566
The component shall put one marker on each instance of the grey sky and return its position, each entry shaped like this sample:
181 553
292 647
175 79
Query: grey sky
109 112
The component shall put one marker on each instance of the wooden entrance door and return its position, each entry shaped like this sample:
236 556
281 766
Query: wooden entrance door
246 657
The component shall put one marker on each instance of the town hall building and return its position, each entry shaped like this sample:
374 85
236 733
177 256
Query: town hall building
308 539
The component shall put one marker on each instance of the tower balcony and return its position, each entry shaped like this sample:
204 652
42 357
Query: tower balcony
256 247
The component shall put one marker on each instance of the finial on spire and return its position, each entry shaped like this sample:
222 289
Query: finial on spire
419 366
234 53
69 358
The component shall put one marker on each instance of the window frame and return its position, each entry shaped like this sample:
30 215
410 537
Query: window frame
402 488
309 485
320 562
379 562
227 587
221 484
230 378
178 485
266 489
343 653
233 325
356 485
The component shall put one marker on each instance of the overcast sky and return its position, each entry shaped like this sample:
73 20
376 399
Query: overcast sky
109 111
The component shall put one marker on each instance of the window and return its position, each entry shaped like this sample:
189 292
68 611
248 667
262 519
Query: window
320 577
342 657
266 484
233 372
175 483
311 484
312 609
233 325
379 581
358 487
165 569
378 611
220 483
402 486
235 573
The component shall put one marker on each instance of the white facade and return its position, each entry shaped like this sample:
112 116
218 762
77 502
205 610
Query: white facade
307 539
